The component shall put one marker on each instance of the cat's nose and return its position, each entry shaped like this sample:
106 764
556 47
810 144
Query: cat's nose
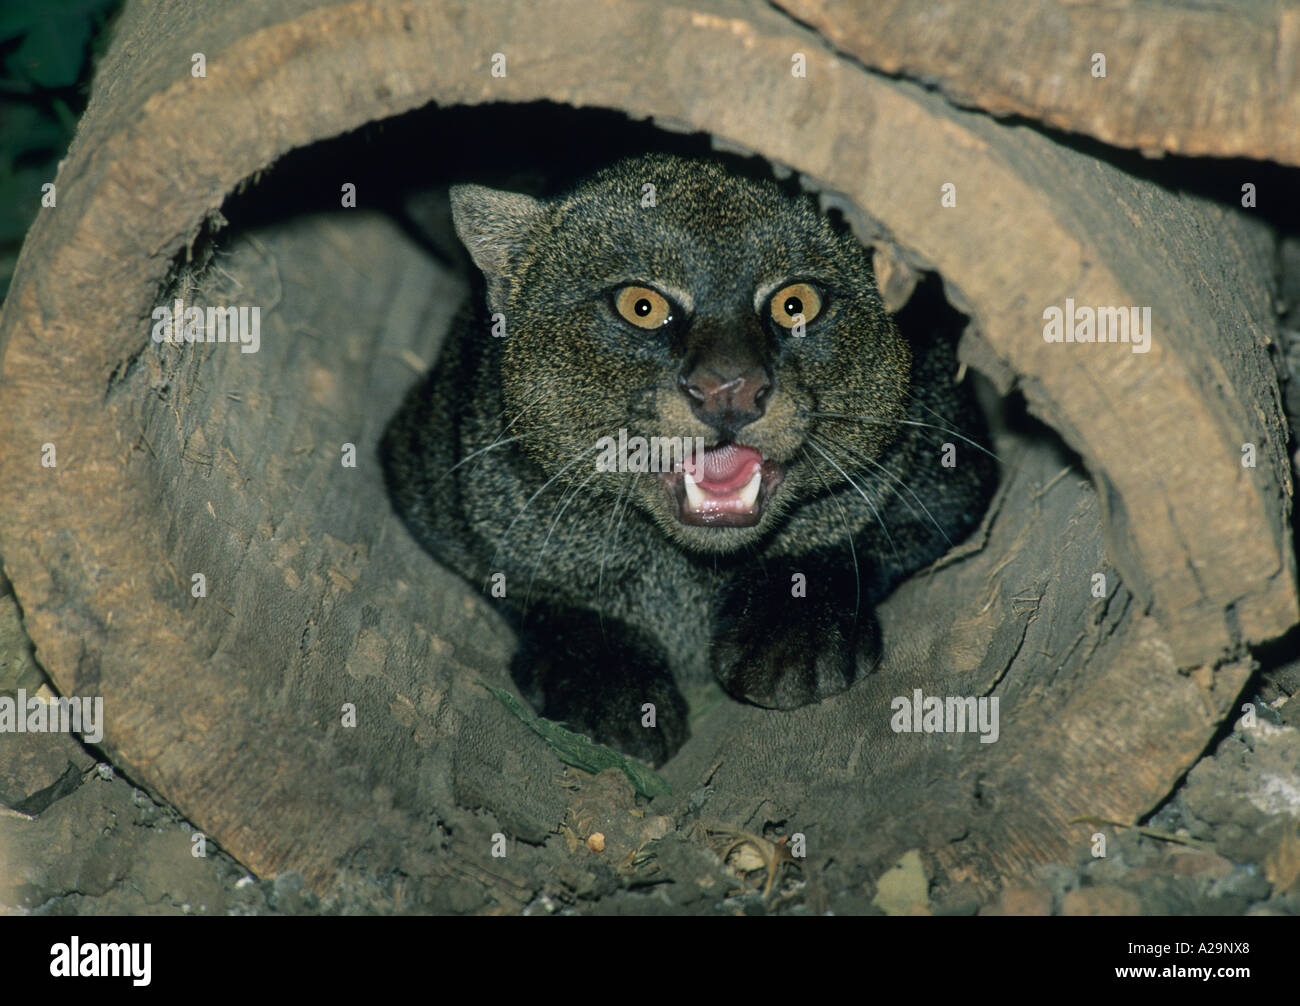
724 399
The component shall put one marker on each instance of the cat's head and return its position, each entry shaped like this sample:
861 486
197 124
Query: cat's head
670 298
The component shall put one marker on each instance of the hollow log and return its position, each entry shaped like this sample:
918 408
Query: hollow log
172 462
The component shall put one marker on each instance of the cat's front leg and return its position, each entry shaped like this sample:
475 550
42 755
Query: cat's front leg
792 633
602 678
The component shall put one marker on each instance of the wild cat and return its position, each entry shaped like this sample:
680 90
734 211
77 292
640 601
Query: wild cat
726 313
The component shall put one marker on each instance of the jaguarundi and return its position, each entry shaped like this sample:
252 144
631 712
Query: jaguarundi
679 302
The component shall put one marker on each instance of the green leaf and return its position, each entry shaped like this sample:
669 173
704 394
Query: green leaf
20 201
581 751
53 52
29 129
18 17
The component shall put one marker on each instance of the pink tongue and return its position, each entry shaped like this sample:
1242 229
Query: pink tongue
726 468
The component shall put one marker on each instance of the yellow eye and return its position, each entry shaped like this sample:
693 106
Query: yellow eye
796 302
643 307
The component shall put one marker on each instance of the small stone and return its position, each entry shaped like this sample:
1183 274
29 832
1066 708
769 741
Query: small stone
596 842
903 889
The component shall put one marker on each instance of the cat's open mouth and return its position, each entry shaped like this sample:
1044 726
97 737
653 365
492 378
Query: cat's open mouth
726 487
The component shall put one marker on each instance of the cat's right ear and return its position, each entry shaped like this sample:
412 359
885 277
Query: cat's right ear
492 224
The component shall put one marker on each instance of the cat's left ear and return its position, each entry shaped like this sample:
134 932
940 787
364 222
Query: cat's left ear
492 224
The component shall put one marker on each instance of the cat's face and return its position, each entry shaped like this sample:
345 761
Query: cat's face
666 298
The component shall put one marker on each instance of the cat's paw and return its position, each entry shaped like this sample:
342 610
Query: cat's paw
605 683
621 722
796 661
613 711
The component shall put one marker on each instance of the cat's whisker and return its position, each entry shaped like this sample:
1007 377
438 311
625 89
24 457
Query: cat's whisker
908 398
605 549
482 450
498 442
876 421
561 505
857 575
946 419
861 492
523 409
548 428
582 455
901 484
912 398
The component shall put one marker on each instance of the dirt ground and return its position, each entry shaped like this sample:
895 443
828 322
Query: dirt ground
76 838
